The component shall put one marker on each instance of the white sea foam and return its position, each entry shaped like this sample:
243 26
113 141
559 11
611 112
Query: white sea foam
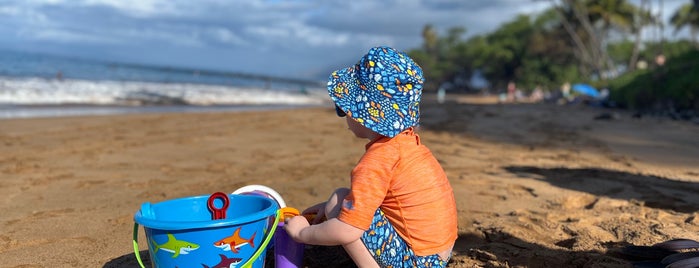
41 91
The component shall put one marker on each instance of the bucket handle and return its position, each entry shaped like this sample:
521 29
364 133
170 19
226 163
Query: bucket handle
247 264
262 247
135 245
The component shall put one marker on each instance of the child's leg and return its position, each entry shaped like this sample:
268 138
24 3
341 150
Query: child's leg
357 251
360 254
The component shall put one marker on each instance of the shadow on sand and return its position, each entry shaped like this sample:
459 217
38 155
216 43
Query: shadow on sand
128 261
500 249
494 249
652 191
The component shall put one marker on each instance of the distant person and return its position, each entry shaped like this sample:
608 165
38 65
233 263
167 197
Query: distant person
660 59
400 210
59 75
441 95
502 97
519 95
511 91
537 95
565 91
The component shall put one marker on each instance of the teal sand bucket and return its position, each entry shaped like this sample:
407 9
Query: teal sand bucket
182 232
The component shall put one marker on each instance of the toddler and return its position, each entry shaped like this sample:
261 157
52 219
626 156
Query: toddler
400 209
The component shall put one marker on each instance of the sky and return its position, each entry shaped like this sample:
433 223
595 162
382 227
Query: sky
304 39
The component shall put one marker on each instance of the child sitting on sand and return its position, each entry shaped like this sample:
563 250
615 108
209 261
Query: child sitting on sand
400 209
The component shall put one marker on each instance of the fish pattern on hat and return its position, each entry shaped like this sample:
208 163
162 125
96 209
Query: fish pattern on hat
382 91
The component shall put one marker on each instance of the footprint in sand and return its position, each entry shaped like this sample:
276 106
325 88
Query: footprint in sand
578 202
519 190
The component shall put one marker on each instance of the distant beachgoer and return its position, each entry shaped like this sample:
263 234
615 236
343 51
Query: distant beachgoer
511 89
400 210
565 90
519 95
441 95
537 95
660 59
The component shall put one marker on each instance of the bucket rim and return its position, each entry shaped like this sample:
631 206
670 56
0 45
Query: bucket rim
142 218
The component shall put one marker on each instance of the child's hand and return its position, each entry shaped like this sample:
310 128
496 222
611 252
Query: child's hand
294 226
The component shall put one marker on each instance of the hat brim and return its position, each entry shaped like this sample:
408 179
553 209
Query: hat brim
342 87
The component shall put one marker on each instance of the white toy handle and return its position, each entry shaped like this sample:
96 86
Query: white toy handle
264 189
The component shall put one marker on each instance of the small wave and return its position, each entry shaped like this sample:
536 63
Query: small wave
41 91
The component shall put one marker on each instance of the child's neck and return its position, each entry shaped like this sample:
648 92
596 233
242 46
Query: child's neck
371 135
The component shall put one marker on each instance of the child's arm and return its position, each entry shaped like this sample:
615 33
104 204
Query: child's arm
329 233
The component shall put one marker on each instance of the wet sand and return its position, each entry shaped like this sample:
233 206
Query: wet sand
536 185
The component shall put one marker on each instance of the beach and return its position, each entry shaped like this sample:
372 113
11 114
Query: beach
536 185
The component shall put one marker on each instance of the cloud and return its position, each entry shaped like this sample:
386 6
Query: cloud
224 35
316 23
285 37
136 8
304 38
59 35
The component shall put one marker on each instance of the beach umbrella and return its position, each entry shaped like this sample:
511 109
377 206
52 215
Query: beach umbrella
586 89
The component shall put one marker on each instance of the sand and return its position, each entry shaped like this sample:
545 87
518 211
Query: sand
536 185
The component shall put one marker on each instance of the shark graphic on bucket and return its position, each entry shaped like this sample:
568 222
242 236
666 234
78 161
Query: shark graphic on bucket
175 246
225 262
234 242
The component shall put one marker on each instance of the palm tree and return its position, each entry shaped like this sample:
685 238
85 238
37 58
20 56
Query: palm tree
622 16
687 16
589 23
641 18
618 14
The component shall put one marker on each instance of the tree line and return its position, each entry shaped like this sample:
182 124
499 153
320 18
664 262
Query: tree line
599 42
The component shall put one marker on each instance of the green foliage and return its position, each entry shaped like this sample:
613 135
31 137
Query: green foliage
686 16
620 51
669 49
560 45
528 51
623 89
673 86
441 58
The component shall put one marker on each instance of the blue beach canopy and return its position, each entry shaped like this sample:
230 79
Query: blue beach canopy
586 89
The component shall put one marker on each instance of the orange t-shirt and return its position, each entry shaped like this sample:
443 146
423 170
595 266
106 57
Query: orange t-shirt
402 177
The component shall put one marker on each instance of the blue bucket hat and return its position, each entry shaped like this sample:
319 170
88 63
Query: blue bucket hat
382 91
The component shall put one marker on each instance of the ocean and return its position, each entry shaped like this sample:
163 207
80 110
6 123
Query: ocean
39 85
